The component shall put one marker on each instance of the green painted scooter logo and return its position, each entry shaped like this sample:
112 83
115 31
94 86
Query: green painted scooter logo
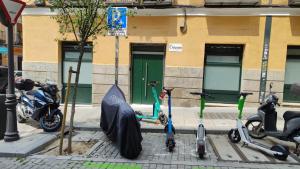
106 165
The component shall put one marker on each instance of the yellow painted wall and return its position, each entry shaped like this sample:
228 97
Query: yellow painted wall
39 39
190 2
285 31
2 32
40 44
280 2
201 30
200 2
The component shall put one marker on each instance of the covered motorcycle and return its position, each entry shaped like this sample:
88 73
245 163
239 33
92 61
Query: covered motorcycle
119 122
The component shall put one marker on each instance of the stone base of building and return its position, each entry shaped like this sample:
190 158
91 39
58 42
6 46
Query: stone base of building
183 79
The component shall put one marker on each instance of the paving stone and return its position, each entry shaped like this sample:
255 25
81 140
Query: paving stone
27 145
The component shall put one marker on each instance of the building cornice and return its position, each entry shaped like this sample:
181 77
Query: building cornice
190 12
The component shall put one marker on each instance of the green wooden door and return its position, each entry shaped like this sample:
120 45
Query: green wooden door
146 67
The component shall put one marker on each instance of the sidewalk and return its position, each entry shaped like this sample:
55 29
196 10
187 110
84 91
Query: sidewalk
220 153
216 118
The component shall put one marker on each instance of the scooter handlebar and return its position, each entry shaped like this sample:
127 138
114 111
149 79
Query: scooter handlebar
245 94
153 83
168 89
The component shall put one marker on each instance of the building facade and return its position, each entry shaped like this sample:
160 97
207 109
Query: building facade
221 47
17 46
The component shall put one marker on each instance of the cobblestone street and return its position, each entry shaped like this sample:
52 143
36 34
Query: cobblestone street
46 162
104 155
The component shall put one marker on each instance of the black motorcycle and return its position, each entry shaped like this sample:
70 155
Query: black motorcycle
264 122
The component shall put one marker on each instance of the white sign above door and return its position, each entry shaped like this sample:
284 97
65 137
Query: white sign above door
175 47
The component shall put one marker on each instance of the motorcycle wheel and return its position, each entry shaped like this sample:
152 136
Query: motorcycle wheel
281 149
253 126
51 124
234 136
20 119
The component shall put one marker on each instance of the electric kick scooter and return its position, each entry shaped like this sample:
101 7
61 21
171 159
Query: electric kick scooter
169 128
201 132
241 133
158 116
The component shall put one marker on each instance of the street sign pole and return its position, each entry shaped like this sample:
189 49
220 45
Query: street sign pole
9 14
117 21
117 60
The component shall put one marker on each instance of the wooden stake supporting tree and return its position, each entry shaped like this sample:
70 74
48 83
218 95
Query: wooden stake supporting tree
65 110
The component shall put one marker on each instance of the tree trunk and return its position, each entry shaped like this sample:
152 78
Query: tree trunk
81 46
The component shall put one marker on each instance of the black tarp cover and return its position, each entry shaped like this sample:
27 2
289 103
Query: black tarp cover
119 122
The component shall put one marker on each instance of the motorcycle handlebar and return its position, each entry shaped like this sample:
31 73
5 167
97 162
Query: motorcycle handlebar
38 84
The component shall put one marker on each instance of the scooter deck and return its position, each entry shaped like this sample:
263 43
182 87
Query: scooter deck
262 145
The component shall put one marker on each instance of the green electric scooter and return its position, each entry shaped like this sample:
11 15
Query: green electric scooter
240 133
158 116
201 131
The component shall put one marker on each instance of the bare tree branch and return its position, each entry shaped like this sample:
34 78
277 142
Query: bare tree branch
71 21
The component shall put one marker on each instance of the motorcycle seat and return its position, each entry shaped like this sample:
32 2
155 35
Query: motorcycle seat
288 115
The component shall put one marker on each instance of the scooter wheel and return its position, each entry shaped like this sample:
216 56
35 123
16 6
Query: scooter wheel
201 151
171 145
166 129
234 136
279 148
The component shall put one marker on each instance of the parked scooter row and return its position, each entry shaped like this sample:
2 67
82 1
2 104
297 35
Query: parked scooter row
265 118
